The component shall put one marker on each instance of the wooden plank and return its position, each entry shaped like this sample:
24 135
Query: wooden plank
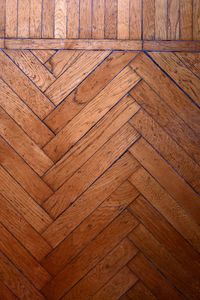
22 259
43 55
139 291
173 271
91 199
35 18
73 13
85 64
2 18
23 116
168 207
16 281
23 174
90 256
90 143
94 168
173 22
172 46
152 278
40 105
60 25
167 119
167 177
88 89
86 44
186 24
90 227
23 18
196 22
11 18
180 73
123 20
5 293
62 60
91 113
23 145
174 97
148 19
48 12
23 203
98 19
135 19
103 272
168 148
160 19
191 60
32 67
22 230
117 286
2 43
110 20
172 240
85 19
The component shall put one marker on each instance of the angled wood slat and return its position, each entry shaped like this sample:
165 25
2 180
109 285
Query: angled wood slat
91 113
104 242
23 144
101 189
29 94
99 157
23 116
101 76
22 230
91 170
30 65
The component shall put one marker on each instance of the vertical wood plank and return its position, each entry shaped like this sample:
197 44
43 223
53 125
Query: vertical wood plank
2 17
72 19
123 20
160 19
186 19
110 19
11 18
60 19
85 19
173 20
35 18
148 19
23 18
135 19
196 19
48 19
98 19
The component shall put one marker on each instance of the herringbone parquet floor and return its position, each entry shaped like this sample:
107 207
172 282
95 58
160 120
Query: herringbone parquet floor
99 175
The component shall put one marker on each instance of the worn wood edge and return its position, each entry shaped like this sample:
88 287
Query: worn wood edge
171 46
85 44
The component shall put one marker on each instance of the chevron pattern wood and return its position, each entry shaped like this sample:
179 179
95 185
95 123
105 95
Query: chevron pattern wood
99 175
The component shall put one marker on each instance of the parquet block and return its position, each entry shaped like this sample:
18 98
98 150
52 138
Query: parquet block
99 156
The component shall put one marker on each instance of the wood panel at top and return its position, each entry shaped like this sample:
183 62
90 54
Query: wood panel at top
101 19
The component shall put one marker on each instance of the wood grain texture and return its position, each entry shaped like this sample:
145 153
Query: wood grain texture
99 160
96 20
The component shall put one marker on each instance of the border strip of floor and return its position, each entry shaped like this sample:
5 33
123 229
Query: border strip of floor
85 44
88 44
178 46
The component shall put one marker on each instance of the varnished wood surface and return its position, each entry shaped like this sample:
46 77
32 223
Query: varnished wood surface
148 20
99 174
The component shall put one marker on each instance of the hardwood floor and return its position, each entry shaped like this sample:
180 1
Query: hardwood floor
99 175
99 149
101 19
